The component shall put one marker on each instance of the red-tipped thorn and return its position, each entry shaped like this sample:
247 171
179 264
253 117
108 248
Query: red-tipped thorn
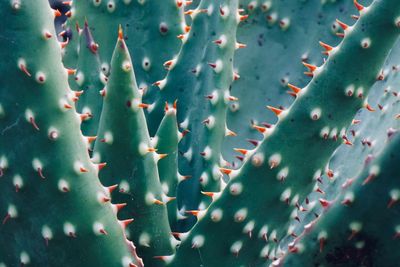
120 33
312 68
241 150
125 223
295 89
225 171
358 5
343 25
277 111
57 13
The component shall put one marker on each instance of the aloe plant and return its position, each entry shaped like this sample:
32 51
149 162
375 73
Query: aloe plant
148 133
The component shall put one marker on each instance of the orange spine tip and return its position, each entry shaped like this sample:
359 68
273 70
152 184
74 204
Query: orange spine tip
277 111
68 14
180 36
343 25
100 166
175 103
71 71
187 28
151 149
209 194
57 13
82 169
193 212
143 105
91 139
241 150
179 3
243 17
158 202
162 155
358 5
225 171
309 66
326 46
120 33
231 133
260 128
295 89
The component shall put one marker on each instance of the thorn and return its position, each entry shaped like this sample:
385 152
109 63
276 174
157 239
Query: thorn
67 3
240 45
23 68
33 122
103 92
321 244
90 139
120 33
324 203
277 111
125 223
260 128
158 202
340 34
212 65
209 194
243 17
327 47
68 13
343 25
161 156
230 133
64 44
241 150
39 170
100 166
312 68
57 13
67 106
71 71
8 216
82 169
143 105
193 212
253 142
175 103
151 149
295 89
368 179
120 206
225 170
84 116
369 108
48 35
111 188
358 5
